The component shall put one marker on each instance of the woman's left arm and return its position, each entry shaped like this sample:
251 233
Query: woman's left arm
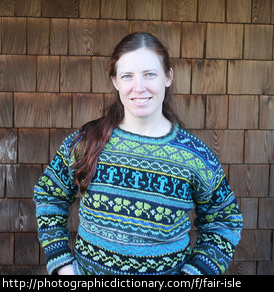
219 223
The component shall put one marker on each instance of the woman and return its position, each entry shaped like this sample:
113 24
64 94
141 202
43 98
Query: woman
139 173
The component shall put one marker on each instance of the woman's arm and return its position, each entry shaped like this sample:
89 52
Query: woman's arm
53 195
219 223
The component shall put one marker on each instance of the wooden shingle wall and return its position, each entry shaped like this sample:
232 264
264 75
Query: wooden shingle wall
53 57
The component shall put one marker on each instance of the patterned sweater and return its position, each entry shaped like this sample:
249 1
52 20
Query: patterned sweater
134 215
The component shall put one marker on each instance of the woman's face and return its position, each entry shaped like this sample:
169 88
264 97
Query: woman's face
141 82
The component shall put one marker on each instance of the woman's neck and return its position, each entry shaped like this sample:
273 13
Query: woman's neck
145 127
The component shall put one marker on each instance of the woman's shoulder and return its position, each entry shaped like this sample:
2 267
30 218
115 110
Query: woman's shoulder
70 138
190 142
74 137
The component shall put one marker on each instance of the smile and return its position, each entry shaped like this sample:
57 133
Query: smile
141 100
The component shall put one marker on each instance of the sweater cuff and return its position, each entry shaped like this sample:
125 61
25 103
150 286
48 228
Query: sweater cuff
201 263
56 263
189 269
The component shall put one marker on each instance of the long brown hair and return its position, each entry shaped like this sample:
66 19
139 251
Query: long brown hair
93 136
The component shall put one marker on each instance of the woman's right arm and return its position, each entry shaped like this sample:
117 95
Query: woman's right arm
53 195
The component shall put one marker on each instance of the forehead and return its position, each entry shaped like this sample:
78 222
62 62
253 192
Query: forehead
139 60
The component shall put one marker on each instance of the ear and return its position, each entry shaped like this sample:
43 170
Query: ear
169 78
114 82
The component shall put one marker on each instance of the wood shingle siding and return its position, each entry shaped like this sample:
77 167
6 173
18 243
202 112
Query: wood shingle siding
53 79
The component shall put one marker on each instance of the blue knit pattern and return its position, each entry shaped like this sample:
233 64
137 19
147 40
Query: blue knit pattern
134 215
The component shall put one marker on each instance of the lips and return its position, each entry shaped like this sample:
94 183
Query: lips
142 100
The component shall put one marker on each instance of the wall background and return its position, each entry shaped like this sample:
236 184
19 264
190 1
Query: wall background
53 56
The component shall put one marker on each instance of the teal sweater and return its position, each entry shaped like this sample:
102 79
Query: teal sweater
134 215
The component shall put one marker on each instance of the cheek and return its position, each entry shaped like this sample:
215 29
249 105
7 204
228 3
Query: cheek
158 90
124 88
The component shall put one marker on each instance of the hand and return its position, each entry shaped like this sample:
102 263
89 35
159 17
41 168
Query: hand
66 270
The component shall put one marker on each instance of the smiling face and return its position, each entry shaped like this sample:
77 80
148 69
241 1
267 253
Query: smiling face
141 82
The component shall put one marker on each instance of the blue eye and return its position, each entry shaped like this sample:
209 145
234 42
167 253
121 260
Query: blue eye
126 76
150 75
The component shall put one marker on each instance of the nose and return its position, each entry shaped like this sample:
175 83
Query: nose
139 85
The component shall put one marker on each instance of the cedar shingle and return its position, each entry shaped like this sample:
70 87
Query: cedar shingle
191 109
8 215
7 248
6 109
266 112
59 37
249 180
216 111
75 74
272 247
86 107
7 8
28 8
33 146
21 180
42 110
48 73
101 82
26 249
241 268
258 243
211 10
144 9
258 42
224 41
2 180
271 182
89 8
25 220
243 112
1 37
180 10
261 11
193 39
250 77
227 144
265 268
86 36
82 33
38 36
266 214
115 9
272 18
14 35
209 76
182 75
249 209
18 73
231 146
8 145
239 11
258 147
108 100
60 8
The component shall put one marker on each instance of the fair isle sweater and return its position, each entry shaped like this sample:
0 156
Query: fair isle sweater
134 215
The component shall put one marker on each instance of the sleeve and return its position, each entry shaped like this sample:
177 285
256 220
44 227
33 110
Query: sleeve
53 195
219 223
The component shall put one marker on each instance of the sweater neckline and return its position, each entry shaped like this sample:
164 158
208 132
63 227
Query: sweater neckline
147 139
